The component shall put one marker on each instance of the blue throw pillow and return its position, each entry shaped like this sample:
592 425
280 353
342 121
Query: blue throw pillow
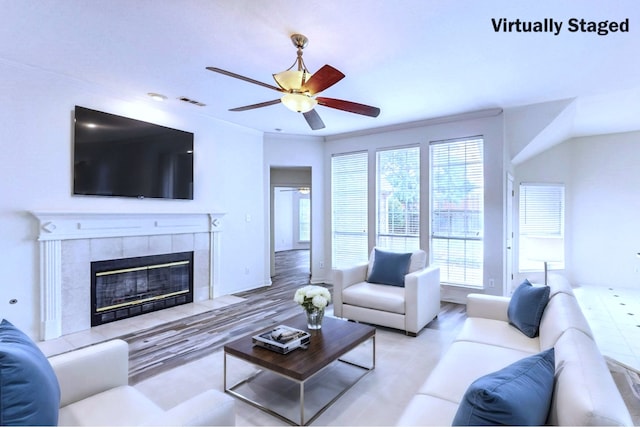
29 390
389 268
519 394
526 307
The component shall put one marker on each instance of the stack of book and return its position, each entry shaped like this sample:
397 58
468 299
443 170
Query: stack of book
282 339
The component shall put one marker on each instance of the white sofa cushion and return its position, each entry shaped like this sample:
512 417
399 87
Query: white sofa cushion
375 296
425 410
562 312
118 406
498 333
462 364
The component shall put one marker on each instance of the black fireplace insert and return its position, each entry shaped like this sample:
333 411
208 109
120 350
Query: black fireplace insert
127 287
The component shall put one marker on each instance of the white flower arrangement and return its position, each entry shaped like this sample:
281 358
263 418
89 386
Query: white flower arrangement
312 297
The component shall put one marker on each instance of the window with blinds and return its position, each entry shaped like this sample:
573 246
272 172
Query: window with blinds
349 227
541 226
304 218
398 199
457 210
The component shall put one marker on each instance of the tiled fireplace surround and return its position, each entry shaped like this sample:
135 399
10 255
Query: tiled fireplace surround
70 241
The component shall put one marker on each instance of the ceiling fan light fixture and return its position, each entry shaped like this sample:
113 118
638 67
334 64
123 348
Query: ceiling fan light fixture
292 79
157 96
298 102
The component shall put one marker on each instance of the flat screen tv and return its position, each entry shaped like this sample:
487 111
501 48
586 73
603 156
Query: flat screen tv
123 157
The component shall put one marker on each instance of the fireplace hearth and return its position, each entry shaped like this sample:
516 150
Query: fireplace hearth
127 287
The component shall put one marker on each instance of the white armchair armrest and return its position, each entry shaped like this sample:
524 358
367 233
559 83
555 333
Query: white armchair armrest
342 279
346 277
488 306
422 286
87 371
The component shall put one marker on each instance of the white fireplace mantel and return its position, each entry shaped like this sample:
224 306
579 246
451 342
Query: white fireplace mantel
80 225
55 227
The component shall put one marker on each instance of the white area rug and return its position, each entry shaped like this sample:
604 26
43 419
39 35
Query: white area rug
402 364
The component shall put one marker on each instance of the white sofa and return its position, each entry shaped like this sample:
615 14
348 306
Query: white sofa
409 308
584 392
94 391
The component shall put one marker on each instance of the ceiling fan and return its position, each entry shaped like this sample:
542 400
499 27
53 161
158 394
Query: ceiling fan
301 190
299 87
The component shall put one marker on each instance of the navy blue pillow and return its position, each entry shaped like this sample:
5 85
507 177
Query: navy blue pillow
29 390
389 268
517 395
526 307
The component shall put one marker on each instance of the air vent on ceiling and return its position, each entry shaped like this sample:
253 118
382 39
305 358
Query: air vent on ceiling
191 101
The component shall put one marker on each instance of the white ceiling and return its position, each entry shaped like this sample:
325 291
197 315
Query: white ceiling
415 59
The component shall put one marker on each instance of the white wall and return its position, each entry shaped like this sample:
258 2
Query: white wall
36 110
602 229
283 219
491 128
605 202
286 218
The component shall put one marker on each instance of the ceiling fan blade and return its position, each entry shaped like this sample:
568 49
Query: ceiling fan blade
314 120
325 77
258 105
246 79
352 107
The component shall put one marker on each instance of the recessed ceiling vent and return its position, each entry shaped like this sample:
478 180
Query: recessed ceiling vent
191 101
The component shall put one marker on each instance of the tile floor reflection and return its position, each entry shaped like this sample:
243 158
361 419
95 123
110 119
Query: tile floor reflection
614 316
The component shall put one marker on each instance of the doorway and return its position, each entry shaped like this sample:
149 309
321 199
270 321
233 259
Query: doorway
290 228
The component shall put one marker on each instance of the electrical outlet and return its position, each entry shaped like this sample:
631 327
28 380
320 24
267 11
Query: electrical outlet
321 264
491 283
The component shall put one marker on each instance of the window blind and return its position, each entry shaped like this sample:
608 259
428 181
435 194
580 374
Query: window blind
398 199
304 218
349 195
457 210
541 226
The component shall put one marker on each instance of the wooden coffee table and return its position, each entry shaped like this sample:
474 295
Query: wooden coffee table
297 387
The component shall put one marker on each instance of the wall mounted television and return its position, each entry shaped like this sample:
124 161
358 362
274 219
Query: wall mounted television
122 157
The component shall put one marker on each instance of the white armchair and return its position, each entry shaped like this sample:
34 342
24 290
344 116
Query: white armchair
409 307
95 391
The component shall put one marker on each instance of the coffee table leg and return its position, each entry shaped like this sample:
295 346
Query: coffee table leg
224 385
301 403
